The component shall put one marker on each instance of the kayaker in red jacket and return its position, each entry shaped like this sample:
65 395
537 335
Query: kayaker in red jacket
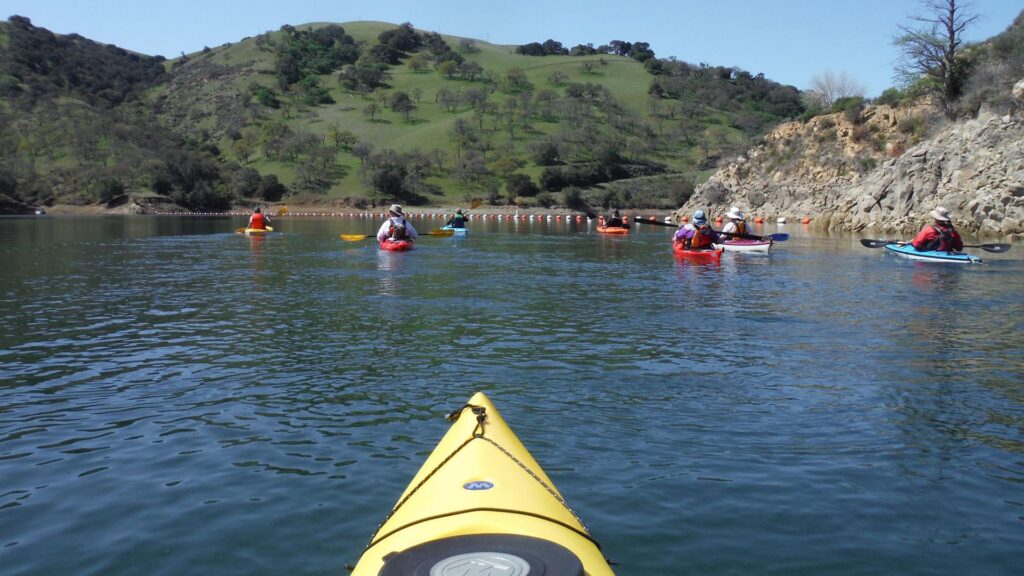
939 235
258 221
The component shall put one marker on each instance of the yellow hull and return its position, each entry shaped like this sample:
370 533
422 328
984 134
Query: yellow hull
473 485
258 231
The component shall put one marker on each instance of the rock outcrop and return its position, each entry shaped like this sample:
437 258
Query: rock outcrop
880 171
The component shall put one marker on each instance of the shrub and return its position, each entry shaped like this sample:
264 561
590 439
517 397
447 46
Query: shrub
545 199
890 97
573 199
521 185
867 164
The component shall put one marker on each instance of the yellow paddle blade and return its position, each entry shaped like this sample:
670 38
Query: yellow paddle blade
240 231
476 203
282 210
440 232
355 237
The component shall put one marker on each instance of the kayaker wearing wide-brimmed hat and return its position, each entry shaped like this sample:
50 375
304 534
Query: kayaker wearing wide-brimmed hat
939 235
736 223
696 235
396 227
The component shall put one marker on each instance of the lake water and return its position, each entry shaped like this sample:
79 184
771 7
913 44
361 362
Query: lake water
178 399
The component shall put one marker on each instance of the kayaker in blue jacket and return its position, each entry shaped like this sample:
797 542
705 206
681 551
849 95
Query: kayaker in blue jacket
696 235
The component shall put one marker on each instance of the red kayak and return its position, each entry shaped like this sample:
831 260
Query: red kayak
702 255
396 245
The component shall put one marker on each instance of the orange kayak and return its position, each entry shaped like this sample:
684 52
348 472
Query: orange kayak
612 230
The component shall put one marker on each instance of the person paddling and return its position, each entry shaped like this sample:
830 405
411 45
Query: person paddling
258 220
396 227
939 235
458 220
736 223
697 235
614 220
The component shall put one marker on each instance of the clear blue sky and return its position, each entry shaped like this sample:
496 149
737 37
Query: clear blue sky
788 40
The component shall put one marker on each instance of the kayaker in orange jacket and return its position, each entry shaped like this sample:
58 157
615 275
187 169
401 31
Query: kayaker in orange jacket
258 221
697 235
736 223
939 235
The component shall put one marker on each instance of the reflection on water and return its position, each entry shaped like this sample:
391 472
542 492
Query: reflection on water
175 396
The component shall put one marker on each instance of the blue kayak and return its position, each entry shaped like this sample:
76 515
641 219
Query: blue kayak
909 251
457 231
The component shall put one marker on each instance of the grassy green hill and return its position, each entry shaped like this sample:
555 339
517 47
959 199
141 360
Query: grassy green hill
205 95
234 122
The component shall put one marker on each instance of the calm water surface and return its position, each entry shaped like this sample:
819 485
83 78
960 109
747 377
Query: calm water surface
177 399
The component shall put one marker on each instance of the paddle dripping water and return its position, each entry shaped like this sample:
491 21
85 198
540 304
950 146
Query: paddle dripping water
179 399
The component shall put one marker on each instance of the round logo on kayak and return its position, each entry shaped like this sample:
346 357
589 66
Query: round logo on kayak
478 485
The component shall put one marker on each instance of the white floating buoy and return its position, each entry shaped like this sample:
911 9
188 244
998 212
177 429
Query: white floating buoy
781 220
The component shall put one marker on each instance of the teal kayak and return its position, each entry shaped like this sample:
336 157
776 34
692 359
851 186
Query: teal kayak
908 251
456 231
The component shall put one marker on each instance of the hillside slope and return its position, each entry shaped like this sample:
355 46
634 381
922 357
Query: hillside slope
820 169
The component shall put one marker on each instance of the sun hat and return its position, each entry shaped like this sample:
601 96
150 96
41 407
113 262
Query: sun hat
735 214
699 216
397 209
941 214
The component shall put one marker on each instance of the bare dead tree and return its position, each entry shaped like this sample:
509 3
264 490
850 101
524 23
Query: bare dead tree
931 48
829 86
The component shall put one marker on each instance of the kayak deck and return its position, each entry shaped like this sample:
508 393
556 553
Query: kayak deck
740 245
481 499
706 255
908 251
456 231
396 245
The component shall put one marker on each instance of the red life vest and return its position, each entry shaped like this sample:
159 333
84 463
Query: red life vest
702 238
256 221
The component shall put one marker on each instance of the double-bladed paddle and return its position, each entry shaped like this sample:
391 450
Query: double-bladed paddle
777 237
996 248
358 237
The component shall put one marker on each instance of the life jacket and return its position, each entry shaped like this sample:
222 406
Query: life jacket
943 242
741 227
702 238
398 231
458 221
257 222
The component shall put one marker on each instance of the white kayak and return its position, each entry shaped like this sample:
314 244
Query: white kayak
762 246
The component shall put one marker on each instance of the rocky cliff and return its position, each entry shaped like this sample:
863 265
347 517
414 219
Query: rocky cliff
882 168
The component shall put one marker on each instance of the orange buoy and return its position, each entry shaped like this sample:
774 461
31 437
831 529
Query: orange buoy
718 220
806 220
759 220
684 219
